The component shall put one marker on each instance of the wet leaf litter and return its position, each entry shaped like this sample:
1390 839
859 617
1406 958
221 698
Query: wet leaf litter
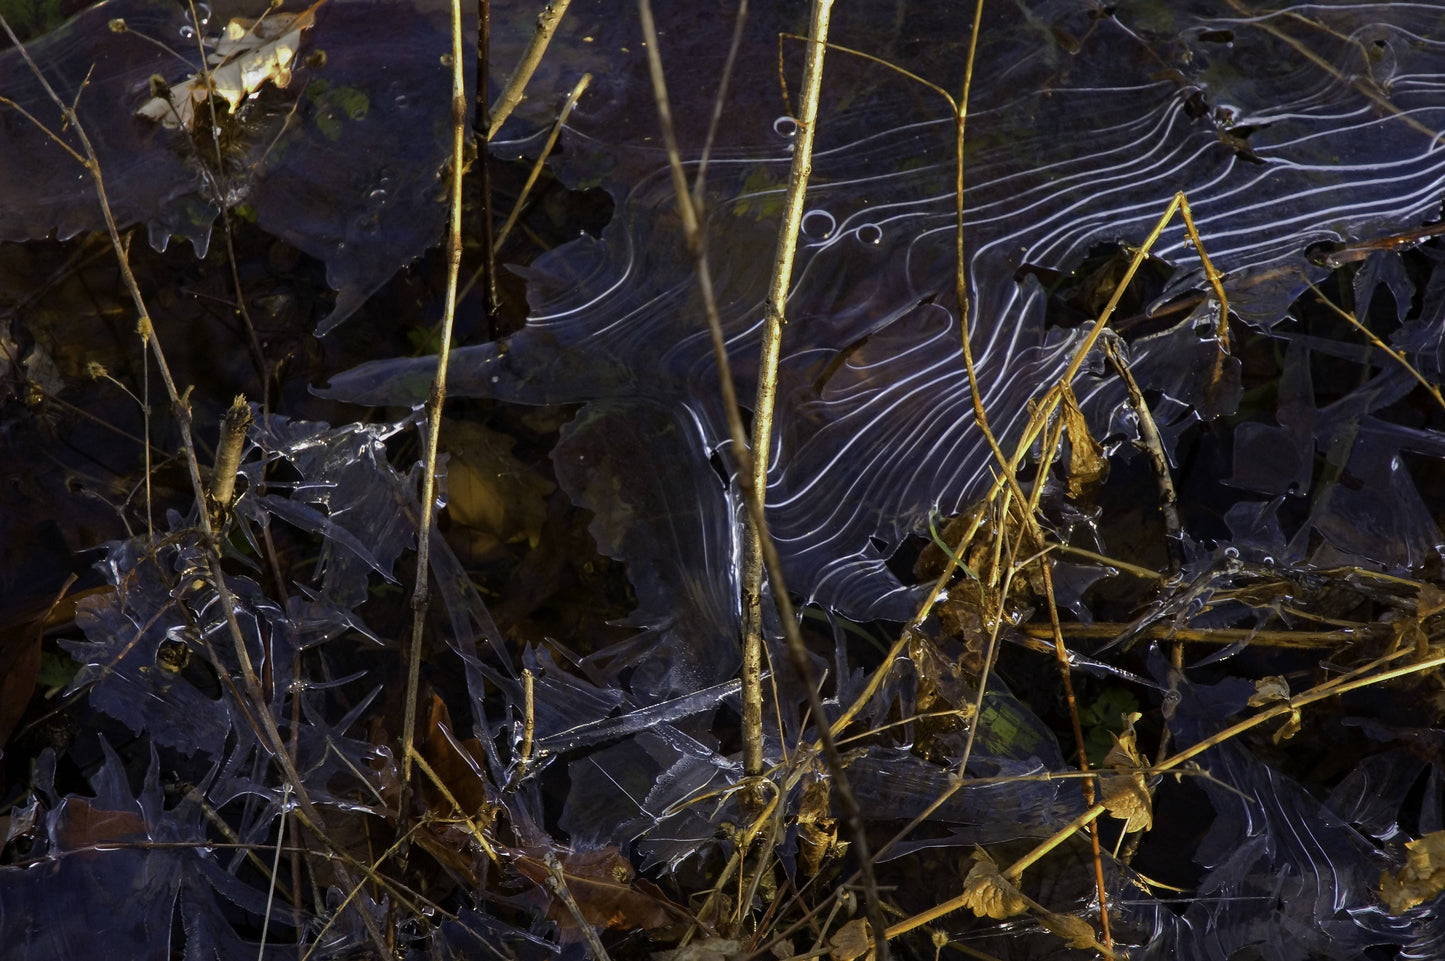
584 791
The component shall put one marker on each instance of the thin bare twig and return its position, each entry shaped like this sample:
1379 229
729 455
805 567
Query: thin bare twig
435 401
1154 447
769 354
536 171
511 95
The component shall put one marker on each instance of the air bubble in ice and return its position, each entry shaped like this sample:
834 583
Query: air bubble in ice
819 224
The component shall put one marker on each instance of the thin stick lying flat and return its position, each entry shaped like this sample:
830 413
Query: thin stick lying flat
1153 446
536 171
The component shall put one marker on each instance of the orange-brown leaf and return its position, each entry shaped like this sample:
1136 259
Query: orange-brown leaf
606 890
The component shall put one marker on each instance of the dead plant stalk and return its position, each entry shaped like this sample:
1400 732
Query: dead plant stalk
771 349
435 401
761 553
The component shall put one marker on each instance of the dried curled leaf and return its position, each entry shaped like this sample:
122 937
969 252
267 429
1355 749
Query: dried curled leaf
987 893
1126 797
817 828
1126 794
1268 690
1431 600
1274 690
1422 877
1087 464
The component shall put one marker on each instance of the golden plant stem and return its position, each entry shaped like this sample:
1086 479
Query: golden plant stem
801 170
1395 355
434 404
511 94
690 210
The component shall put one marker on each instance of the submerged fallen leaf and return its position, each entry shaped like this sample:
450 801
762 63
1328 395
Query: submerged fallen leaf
605 888
493 498
1421 879
705 949
852 940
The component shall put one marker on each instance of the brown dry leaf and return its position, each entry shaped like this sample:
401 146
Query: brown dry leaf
817 828
19 672
606 889
81 827
459 825
1126 794
249 53
852 940
1422 877
457 763
987 893
1087 464
1430 600
1076 932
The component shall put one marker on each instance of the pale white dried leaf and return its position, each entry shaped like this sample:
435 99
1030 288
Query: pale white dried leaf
247 56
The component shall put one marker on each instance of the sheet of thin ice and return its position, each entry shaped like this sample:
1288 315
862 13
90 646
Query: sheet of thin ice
1285 128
